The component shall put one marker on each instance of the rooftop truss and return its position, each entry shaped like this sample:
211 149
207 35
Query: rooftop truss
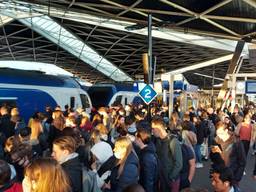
19 42
125 49
228 18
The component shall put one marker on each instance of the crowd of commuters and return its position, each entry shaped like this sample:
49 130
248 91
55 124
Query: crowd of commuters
123 148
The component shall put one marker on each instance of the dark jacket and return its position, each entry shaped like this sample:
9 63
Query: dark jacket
73 169
238 160
53 134
148 168
170 159
130 174
162 149
202 131
237 157
7 126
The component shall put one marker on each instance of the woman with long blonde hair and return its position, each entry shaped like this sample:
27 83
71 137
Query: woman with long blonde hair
126 171
36 129
45 175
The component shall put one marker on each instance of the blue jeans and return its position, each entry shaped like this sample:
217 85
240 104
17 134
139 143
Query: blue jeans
198 153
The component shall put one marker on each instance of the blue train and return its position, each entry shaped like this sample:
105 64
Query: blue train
32 91
113 94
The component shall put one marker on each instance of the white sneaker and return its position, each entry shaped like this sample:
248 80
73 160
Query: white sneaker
199 165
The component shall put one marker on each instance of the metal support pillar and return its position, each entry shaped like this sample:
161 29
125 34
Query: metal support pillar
213 74
171 95
150 50
233 92
150 70
232 66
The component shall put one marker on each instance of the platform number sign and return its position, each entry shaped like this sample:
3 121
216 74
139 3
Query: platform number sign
147 94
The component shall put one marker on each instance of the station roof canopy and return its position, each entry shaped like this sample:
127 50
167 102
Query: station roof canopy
103 40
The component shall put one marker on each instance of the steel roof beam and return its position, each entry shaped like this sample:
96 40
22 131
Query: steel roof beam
201 16
5 20
250 2
201 65
208 76
129 8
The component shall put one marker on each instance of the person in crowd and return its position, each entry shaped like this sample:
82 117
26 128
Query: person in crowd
148 161
101 152
244 131
188 136
79 116
19 154
48 113
16 118
103 132
222 180
6 125
80 142
231 150
57 114
141 121
169 153
66 112
230 125
45 175
44 135
133 188
188 119
58 124
202 134
25 138
188 168
212 116
6 183
64 152
175 122
71 121
96 120
191 113
126 170
236 116
86 124
36 130
105 117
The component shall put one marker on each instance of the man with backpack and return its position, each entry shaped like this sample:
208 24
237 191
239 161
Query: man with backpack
148 161
169 152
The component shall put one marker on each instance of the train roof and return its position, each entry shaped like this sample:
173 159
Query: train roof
38 78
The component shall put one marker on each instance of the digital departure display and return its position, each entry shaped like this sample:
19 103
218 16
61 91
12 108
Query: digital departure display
250 87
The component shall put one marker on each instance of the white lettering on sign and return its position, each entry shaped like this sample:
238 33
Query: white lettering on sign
148 92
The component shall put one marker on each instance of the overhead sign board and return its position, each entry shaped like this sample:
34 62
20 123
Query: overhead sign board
250 87
147 94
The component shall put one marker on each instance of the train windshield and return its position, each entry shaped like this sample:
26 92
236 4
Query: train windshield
85 101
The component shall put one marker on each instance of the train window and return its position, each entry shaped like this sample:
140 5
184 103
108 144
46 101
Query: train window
125 101
85 101
118 100
72 102
10 102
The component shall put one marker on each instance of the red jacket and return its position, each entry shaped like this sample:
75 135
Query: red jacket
16 187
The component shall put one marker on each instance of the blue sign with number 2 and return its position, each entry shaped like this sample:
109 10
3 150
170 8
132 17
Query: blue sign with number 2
148 94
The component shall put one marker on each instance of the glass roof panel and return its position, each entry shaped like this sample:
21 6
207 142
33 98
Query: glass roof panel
59 35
